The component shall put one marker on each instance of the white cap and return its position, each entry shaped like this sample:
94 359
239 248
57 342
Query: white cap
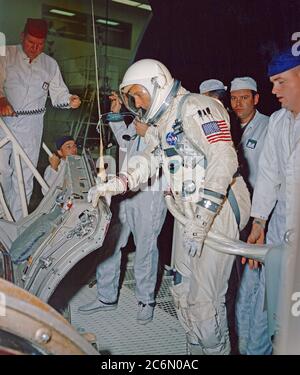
243 83
211 85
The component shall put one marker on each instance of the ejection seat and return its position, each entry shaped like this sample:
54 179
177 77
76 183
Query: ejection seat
37 252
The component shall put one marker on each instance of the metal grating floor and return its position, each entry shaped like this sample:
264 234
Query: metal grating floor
117 331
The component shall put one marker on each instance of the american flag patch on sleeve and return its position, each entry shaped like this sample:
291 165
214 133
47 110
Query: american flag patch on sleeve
216 131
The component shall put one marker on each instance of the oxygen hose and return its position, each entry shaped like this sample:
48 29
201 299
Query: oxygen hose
218 241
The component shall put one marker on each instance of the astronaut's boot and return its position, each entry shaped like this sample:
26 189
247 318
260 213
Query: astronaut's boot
145 312
97 306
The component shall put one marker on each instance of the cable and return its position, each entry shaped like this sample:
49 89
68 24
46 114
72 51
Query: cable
96 62
116 117
102 173
30 112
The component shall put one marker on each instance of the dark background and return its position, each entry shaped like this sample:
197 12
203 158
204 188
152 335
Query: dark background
221 39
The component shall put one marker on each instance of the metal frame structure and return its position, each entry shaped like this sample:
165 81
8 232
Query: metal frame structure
43 248
18 154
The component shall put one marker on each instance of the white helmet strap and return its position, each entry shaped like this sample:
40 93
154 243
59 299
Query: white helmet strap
166 103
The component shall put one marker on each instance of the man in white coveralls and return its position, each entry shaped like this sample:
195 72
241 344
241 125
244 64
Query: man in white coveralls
27 74
141 213
275 163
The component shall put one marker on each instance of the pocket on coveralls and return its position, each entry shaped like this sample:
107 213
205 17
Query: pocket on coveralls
206 324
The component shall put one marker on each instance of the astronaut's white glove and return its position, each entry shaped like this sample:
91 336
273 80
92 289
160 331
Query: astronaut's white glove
114 186
195 231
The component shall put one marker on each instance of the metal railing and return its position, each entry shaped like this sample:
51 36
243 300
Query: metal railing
18 154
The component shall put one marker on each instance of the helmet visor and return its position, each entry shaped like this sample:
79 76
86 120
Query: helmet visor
137 99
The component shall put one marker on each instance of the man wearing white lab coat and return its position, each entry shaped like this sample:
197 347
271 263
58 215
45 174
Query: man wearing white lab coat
251 316
244 99
26 76
281 139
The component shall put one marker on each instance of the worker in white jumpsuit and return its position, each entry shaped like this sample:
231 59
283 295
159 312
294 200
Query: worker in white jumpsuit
26 76
251 316
281 139
141 213
214 88
65 146
190 139
244 99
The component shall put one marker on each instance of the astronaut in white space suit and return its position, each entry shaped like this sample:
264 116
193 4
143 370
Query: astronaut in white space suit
26 76
190 139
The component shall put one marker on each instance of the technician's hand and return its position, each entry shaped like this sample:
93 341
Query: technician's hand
5 108
54 161
114 186
256 236
140 127
74 101
115 102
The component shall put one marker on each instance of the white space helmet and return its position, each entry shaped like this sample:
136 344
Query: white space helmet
157 80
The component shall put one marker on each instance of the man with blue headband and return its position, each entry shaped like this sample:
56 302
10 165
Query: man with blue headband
274 164
65 146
